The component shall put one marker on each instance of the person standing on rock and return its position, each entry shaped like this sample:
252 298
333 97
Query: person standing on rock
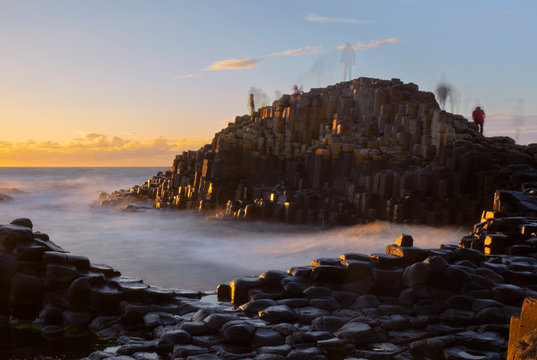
251 102
479 118
348 59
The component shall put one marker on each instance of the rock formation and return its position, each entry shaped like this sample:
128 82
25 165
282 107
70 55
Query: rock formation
354 152
453 302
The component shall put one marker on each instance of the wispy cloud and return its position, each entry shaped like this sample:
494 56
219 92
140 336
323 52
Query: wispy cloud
95 149
299 52
362 45
327 19
505 13
234 64
187 76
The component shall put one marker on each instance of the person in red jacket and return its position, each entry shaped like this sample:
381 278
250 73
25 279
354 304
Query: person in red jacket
479 117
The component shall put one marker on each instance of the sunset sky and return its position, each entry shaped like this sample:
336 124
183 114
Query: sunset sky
132 82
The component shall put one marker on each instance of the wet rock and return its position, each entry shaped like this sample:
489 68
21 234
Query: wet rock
432 348
105 300
223 292
328 273
316 291
345 298
300 339
387 281
195 327
308 313
270 356
130 349
183 351
404 240
273 277
409 296
77 319
240 288
328 303
356 332
509 294
294 302
215 321
267 337
282 350
253 307
454 277
463 353
59 277
311 353
364 301
277 313
356 269
428 306
13 235
417 275
239 333
23 222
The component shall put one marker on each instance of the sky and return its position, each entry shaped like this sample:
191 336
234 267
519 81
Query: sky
132 82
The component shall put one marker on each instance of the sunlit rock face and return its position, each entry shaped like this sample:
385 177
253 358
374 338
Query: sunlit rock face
353 152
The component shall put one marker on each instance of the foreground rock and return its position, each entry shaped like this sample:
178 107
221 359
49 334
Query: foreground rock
407 303
354 152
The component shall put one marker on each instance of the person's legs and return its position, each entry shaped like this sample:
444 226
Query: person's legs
481 129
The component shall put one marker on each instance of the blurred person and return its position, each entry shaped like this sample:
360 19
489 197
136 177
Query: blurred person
479 118
251 103
443 91
348 59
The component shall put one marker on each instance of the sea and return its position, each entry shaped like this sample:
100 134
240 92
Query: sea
179 249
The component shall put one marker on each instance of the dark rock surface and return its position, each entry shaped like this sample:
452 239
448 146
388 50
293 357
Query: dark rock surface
410 303
353 152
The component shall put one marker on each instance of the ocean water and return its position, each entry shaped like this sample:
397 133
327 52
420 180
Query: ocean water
177 248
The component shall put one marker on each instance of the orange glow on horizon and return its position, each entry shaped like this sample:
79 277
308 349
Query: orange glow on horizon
95 150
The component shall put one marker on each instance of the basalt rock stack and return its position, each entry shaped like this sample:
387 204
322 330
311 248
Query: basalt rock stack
354 152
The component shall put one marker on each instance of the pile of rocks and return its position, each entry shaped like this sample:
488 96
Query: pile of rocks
354 152
408 303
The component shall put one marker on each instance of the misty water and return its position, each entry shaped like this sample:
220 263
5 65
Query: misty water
177 248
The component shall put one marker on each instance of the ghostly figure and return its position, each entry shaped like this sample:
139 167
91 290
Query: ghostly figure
347 59
443 91
251 103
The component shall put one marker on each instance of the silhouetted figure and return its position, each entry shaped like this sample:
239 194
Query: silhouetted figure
479 117
251 102
295 90
348 59
443 91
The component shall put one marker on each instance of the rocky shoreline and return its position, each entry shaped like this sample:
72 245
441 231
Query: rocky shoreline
453 302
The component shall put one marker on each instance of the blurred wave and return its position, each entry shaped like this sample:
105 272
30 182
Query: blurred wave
180 249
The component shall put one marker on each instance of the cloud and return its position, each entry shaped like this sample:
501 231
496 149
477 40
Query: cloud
187 76
505 13
234 64
361 45
326 19
299 52
95 149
